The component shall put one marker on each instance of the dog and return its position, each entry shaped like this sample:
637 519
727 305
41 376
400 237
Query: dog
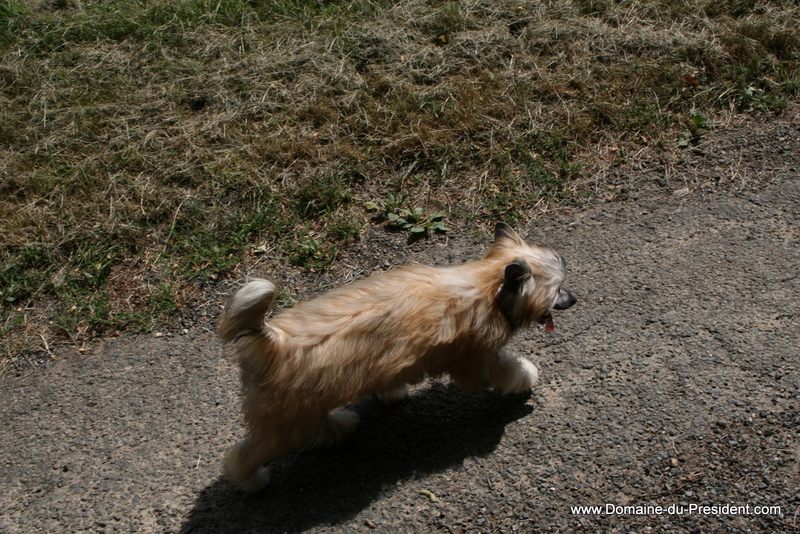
378 335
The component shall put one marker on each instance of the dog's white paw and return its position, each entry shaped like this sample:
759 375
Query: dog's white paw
257 481
523 376
340 423
530 374
235 469
393 395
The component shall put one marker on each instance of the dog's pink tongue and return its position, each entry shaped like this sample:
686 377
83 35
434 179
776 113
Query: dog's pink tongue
549 325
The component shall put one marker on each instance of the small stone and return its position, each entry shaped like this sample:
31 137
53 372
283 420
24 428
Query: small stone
680 193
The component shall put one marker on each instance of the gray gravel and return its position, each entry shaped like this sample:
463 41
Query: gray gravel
674 383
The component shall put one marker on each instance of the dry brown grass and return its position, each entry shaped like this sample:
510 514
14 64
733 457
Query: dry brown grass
175 138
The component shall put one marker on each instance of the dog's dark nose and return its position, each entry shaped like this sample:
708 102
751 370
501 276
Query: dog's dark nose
565 299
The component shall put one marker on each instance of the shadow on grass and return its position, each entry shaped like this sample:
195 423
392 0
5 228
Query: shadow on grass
433 430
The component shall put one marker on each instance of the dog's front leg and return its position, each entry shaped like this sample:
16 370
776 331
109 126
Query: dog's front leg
502 369
511 373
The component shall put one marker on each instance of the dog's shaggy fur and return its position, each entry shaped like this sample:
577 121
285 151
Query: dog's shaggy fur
377 336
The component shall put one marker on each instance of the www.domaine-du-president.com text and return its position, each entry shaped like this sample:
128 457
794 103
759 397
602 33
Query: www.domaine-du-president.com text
677 509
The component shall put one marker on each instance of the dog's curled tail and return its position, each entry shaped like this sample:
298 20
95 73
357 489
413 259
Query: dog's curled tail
244 313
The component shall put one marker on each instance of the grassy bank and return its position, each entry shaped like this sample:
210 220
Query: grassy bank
146 146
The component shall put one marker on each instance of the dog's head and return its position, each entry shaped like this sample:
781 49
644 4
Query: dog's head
533 279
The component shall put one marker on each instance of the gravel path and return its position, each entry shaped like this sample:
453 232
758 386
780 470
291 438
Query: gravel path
673 383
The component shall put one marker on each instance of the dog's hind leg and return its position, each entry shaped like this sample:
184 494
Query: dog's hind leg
246 462
245 465
512 374
338 425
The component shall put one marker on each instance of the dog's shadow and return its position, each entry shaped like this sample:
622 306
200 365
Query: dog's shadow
433 430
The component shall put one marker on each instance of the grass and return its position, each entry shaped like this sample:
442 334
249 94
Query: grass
147 146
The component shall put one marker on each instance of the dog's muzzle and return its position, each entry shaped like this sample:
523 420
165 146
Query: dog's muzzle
565 300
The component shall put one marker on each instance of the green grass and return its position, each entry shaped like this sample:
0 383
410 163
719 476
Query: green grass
147 146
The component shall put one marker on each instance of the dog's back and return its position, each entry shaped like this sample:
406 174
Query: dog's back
389 325
428 304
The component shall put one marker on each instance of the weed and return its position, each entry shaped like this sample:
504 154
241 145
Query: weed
284 299
503 206
697 122
9 10
401 215
692 135
393 203
418 221
311 254
444 22
343 229
164 300
755 98
320 195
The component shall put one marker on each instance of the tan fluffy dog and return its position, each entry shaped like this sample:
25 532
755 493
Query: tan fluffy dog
376 336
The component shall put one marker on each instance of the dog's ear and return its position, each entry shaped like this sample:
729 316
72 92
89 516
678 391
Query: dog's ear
515 274
504 237
502 231
510 295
